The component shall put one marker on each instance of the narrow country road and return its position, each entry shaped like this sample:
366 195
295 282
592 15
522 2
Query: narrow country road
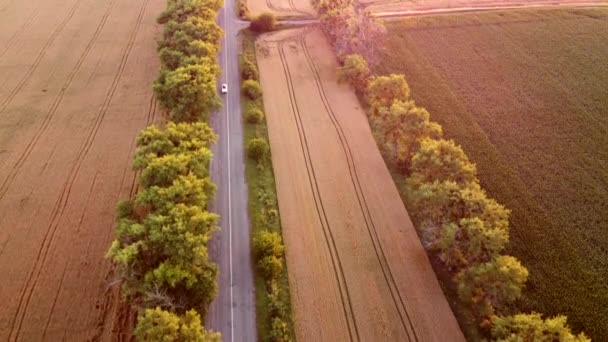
233 311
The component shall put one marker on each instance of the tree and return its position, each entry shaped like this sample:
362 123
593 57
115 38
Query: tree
257 149
491 285
354 71
252 89
163 259
368 36
532 327
194 28
442 160
470 241
181 10
403 126
264 22
382 91
164 326
189 93
186 189
163 171
254 116
153 142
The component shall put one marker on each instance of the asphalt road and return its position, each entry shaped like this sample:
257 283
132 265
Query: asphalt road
233 311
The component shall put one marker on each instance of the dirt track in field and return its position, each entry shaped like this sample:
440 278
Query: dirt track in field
74 92
281 8
357 269
413 7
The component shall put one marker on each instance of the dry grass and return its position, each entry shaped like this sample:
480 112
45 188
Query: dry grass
525 93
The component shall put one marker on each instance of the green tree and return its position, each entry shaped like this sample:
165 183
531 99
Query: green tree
264 22
532 327
382 91
257 149
252 89
163 326
181 10
163 259
153 142
492 285
194 28
403 126
470 241
186 189
354 71
441 160
162 171
189 93
254 116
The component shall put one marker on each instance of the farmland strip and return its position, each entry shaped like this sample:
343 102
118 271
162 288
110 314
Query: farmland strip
329 239
377 245
61 203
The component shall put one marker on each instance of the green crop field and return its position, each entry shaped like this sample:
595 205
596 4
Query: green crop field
526 95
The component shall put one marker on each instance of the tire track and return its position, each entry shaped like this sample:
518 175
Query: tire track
53 109
362 201
61 204
292 8
329 238
15 37
38 59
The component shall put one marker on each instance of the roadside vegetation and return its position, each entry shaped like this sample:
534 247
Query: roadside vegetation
160 250
524 92
273 306
464 230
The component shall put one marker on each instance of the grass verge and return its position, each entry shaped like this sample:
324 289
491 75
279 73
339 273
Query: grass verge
262 200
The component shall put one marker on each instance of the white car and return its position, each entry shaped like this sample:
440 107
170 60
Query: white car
224 88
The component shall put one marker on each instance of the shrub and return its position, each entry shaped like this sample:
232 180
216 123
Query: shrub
257 149
160 325
279 330
254 116
263 23
249 71
267 243
271 267
252 89
531 327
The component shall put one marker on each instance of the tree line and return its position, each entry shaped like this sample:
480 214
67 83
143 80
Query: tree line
160 250
458 222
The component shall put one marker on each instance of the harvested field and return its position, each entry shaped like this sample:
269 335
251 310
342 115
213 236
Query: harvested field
357 270
281 8
75 91
525 94
398 6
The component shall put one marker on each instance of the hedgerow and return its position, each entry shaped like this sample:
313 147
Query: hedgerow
458 223
160 249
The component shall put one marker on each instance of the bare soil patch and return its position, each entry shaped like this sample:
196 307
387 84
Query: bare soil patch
74 93
356 266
